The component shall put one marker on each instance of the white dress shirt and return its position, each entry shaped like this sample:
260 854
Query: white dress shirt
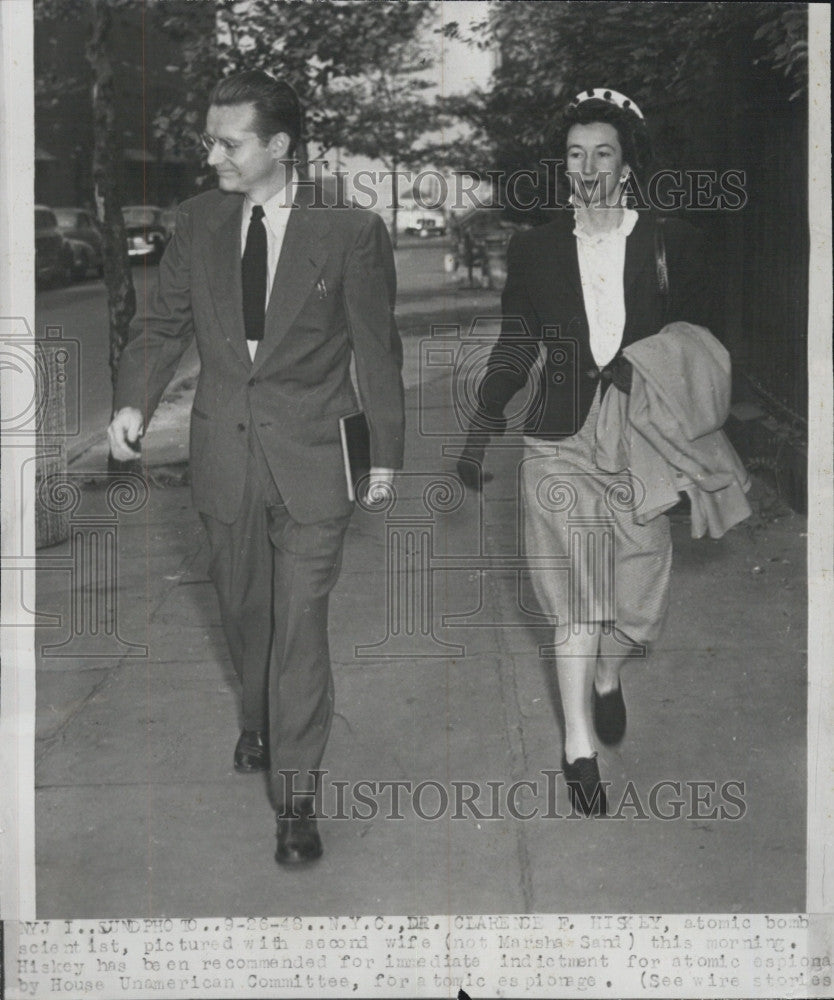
601 267
276 216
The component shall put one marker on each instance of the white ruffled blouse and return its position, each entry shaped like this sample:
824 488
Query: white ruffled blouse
601 267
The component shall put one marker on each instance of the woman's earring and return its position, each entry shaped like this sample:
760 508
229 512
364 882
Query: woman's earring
624 192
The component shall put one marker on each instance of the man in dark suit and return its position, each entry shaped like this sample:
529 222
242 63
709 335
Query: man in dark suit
281 293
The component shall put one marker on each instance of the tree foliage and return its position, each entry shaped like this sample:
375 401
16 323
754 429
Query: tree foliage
359 67
657 53
389 114
106 155
332 51
386 114
786 36
356 66
321 48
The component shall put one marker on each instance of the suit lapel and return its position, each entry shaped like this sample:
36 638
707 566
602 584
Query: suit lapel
568 259
224 267
639 255
639 251
559 283
303 254
558 279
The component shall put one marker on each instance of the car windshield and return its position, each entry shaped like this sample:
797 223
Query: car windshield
138 215
66 216
44 219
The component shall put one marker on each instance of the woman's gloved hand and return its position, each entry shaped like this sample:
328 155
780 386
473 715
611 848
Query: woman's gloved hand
470 463
469 467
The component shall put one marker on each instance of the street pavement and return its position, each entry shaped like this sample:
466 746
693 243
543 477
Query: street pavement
77 315
435 642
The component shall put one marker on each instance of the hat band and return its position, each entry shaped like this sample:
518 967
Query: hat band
610 96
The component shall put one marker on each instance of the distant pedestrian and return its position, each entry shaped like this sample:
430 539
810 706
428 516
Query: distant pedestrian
281 294
599 278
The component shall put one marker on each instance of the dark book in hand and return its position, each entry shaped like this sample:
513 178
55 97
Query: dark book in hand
356 449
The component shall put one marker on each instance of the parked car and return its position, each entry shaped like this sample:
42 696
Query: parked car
80 229
427 224
53 253
147 236
481 238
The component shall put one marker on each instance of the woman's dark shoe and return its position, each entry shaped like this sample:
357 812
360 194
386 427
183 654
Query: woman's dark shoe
251 752
587 792
609 715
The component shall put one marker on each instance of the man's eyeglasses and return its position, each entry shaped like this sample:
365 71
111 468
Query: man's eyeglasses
226 147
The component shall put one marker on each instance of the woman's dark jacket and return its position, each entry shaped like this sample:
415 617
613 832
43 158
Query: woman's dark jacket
543 300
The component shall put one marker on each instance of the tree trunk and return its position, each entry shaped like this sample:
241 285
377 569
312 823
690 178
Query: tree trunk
395 204
52 518
107 162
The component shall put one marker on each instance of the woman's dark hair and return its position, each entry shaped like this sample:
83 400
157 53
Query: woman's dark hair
631 130
277 107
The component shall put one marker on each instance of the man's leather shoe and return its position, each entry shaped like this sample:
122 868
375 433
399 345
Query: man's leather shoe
587 792
298 840
609 715
251 752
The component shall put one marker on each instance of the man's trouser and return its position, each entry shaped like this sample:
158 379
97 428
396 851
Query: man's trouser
273 578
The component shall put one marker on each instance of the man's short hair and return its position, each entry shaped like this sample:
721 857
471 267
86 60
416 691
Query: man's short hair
277 107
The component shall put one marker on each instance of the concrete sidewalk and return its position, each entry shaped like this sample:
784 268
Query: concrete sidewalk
140 813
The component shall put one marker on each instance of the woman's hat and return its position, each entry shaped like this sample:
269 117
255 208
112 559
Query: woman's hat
610 96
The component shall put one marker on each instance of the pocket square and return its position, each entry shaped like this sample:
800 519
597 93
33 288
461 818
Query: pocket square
321 288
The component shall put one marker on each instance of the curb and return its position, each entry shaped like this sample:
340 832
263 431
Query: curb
180 384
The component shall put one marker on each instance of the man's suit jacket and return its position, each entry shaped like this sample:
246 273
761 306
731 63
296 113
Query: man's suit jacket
333 295
543 303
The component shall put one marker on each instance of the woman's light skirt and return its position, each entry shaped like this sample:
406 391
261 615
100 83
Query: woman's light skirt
610 571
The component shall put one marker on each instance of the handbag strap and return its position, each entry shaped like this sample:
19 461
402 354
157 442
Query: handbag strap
661 266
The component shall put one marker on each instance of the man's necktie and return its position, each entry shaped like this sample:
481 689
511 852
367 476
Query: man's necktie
253 273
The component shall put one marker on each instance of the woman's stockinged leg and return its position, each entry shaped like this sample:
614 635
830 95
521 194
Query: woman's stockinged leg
615 651
576 660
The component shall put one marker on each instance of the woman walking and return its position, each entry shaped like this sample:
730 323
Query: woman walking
587 285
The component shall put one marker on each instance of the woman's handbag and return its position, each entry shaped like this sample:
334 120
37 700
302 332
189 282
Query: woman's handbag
620 370
661 266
